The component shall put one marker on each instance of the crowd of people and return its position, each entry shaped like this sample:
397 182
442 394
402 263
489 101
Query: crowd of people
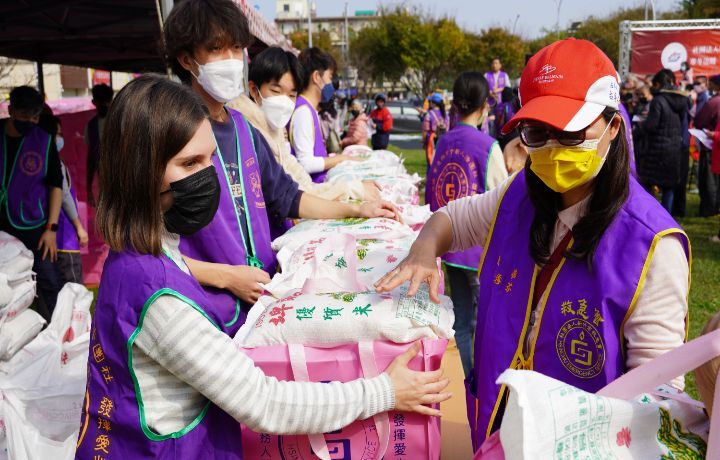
544 216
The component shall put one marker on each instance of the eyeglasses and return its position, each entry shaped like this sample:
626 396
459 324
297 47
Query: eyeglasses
535 136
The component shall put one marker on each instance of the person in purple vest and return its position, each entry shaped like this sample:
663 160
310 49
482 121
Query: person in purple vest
467 162
102 96
584 275
306 139
71 234
435 123
165 379
497 79
232 257
32 190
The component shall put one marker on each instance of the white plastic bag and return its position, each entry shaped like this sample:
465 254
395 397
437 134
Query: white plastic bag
14 256
23 288
42 425
345 317
43 385
17 332
546 418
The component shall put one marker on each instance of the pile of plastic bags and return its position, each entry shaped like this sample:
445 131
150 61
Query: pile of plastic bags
42 372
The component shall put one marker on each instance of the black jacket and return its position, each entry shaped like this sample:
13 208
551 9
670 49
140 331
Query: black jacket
658 162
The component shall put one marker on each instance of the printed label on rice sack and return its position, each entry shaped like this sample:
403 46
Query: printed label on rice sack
419 308
345 317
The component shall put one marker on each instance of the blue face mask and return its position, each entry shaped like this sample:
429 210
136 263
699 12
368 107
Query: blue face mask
327 93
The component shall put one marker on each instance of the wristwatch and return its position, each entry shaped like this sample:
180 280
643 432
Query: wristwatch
51 227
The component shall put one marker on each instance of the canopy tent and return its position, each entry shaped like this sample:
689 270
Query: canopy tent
119 35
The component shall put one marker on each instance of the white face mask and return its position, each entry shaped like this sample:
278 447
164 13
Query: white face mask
223 80
277 110
59 142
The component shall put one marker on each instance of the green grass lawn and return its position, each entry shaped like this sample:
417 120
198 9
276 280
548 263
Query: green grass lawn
705 287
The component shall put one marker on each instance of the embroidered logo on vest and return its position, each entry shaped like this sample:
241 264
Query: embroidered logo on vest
452 180
580 348
31 163
256 183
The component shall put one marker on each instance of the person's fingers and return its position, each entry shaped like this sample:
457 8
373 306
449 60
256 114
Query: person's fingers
409 354
262 276
388 276
434 283
430 377
415 283
376 185
424 410
397 279
436 387
384 212
435 398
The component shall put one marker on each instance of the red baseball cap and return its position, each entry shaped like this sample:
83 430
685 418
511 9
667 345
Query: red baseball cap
567 85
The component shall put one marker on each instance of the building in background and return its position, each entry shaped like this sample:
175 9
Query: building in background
291 16
61 81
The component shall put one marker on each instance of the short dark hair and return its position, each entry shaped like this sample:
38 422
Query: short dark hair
272 64
470 92
102 93
312 59
26 99
150 121
193 23
665 79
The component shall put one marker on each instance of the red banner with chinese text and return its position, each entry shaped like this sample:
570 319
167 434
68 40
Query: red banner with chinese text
654 50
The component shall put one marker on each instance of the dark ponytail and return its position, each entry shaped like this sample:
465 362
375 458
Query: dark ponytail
612 187
470 92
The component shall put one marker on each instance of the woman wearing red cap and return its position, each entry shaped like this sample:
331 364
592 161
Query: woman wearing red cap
583 275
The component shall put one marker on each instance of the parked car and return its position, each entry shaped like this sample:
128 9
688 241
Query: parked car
406 118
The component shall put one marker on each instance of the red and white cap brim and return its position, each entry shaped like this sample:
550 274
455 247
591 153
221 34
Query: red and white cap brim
562 113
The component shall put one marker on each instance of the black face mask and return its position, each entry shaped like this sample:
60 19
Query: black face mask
23 127
195 202
102 110
355 113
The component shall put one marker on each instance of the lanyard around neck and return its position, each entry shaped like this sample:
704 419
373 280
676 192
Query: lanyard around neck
250 256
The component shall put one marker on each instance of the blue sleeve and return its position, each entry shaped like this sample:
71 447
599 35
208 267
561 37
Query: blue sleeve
281 192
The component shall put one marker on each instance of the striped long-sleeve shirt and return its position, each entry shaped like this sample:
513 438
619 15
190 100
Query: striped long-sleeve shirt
181 360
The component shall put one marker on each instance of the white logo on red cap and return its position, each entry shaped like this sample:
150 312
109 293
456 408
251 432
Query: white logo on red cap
546 69
546 75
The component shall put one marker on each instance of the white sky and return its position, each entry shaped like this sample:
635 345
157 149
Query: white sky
479 14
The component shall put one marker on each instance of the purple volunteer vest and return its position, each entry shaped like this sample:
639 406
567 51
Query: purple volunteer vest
580 340
459 169
113 423
223 241
319 147
500 82
25 193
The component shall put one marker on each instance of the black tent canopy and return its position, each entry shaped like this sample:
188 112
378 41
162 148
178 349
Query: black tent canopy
102 34
118 35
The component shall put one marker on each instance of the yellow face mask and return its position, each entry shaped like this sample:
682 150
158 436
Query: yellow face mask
563 168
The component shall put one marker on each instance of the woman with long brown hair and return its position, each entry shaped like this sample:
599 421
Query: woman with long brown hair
165 380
